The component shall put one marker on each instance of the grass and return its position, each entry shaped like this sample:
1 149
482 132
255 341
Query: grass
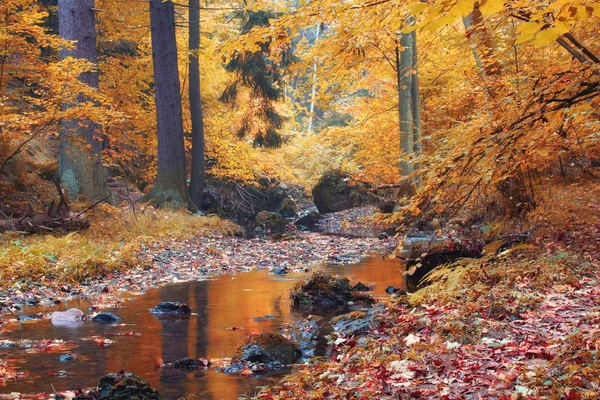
112 244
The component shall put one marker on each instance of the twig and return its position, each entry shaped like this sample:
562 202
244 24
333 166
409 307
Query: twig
94 205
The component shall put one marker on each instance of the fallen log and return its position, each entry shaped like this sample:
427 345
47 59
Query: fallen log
43 223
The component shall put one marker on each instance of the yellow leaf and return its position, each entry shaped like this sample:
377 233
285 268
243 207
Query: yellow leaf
547 36
417 8
491 6
542 152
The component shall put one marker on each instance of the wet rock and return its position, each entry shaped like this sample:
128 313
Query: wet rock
325 291
392 290
361 287
309 222
121 386
174 308
66 357
356 322
106 318
336 191
311 335
270 348
71 316
282 270
382 236
31 317
264 318
190 363
270 221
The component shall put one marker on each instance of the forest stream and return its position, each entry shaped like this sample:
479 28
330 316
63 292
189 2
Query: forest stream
225 309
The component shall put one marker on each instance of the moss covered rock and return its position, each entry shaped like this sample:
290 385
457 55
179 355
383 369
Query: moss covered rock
326 292
311 335
121 386
269 348
271 222
336 191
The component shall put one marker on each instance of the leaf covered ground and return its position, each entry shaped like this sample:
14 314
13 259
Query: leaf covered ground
516 325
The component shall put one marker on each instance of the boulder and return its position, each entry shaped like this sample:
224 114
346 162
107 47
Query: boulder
309 222
271 222
71 316
325 291
336 191
270 348
121 386
311 335
356 322
106 318
171 308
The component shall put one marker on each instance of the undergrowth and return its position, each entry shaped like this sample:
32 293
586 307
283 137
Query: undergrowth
112 244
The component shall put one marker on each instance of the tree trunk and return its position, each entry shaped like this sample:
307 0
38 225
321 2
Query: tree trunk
483 49
80 166
416 106
314 86
169 190
198 165
404 60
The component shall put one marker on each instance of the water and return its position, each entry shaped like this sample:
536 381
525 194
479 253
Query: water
221 303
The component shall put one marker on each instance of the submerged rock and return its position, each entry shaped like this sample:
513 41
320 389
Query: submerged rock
171 308
270 348
106 318
264 318
190 363
394 290
325 291
282 270
71 316
311 335
121 386
66 357
356 322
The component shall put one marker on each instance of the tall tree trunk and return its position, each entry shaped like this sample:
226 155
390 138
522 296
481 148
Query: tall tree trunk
80 166
416 105
169 190
404 60
198 165
314 85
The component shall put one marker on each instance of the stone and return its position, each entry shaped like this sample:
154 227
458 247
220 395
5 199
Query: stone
356 322
190 363
336 191
71 316
326 292
121 386
309 222
311 335
361 287
106 318
271 222
270 348
171 308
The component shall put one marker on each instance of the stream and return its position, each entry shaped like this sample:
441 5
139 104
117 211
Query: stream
219 304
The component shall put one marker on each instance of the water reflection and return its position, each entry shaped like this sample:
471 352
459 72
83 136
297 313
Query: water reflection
219 305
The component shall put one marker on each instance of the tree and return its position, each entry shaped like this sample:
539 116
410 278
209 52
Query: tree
169 189
80 165
257 71
409 112
198 165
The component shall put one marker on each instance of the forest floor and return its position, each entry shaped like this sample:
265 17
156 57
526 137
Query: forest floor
521 324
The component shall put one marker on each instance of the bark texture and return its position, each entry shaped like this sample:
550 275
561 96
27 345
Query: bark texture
198 164
169 190
80 166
